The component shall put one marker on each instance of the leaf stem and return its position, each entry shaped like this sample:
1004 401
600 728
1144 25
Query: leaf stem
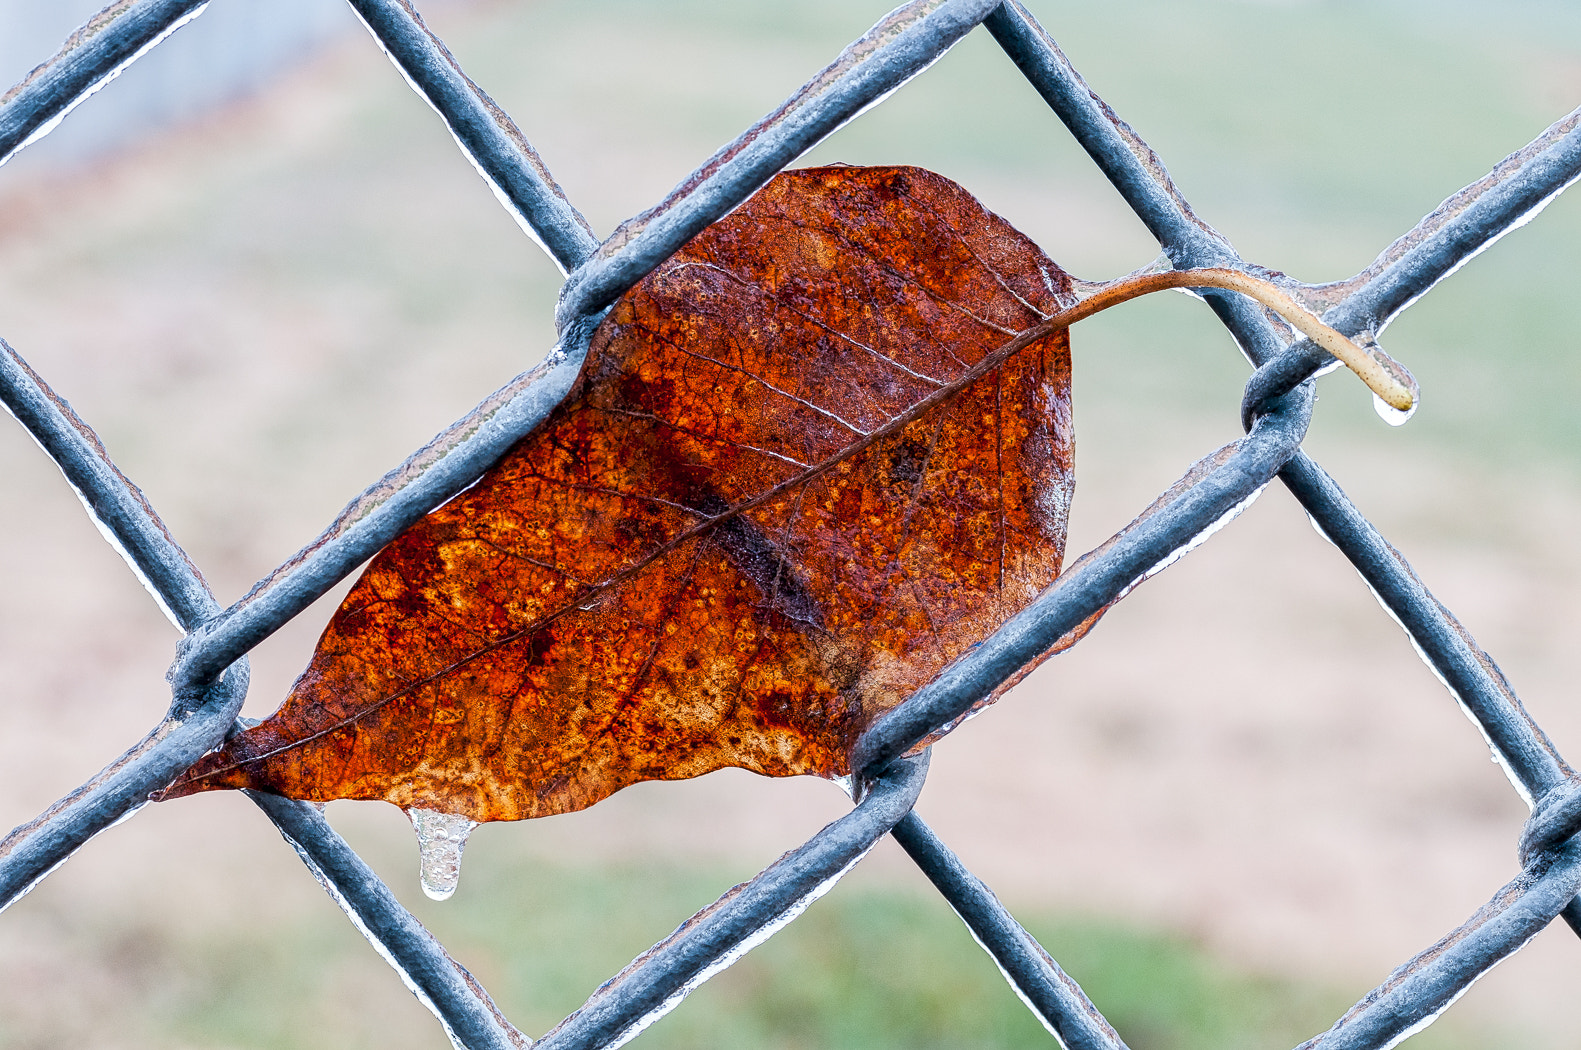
1383 375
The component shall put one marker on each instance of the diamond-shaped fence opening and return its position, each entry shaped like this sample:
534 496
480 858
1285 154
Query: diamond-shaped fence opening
209 676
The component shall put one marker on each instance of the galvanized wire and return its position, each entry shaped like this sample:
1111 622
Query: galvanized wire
91 57
208 677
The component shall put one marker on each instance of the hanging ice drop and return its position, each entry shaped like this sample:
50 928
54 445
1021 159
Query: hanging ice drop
440 839
1391 414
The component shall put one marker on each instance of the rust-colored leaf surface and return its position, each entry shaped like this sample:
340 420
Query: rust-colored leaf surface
735 544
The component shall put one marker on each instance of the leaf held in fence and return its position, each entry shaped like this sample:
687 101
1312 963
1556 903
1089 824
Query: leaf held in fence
776 503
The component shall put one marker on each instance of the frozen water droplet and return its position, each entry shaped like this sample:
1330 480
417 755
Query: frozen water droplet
1402 375
1391 415
440 839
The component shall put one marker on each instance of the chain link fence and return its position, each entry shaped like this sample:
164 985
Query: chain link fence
209 675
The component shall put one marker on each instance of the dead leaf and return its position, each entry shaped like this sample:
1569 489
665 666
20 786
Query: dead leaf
776 503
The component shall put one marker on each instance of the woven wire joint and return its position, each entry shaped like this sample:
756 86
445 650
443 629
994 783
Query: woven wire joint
209 675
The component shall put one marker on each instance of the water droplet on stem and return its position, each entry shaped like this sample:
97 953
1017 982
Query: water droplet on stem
1402 375
1391 415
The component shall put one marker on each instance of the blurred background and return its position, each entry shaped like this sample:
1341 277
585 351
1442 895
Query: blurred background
257 264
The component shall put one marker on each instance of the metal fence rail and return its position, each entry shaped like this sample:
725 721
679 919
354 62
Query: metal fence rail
209 675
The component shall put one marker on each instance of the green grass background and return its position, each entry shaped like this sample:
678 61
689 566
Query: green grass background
866 968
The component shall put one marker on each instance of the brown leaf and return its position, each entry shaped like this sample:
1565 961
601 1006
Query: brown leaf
777 502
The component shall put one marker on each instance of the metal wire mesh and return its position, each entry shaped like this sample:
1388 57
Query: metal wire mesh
209 674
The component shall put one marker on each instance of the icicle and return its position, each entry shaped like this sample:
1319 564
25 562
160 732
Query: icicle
440 839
